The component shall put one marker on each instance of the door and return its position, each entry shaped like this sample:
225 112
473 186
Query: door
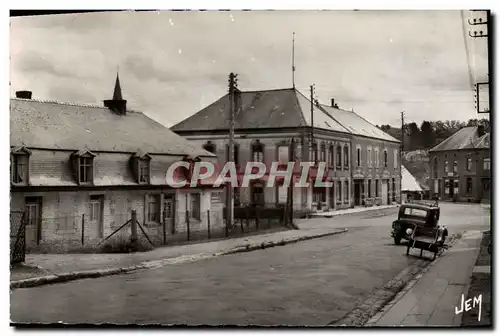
385 192
33 220
95 215
451 188
168 213
332 196
357 193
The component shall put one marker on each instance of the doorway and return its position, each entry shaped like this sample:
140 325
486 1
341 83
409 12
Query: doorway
33 220
96 210
358 191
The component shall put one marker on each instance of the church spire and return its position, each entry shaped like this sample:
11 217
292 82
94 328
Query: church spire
117 104
117 94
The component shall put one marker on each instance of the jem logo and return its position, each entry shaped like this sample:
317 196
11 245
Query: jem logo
476 301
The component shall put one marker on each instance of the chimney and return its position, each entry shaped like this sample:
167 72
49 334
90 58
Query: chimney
480 130
117 104
333 102
23 94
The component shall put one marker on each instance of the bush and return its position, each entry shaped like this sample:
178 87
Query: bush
122 244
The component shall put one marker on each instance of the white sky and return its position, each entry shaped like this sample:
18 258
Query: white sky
172 64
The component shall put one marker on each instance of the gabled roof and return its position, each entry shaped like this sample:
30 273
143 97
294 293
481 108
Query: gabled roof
356 124
465 138
278 109
55 125
260 109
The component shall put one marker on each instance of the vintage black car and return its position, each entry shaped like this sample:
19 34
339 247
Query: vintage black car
411 214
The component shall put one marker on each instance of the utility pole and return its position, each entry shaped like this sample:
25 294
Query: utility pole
401 157
312 118
229 187
291 158
487 35
293 60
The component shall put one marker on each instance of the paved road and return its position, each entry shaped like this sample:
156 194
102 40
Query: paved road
313 282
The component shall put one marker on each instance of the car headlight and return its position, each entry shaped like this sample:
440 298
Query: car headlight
409 231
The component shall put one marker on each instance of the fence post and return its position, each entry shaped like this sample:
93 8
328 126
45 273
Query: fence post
208 222
187 223
133 231
83 229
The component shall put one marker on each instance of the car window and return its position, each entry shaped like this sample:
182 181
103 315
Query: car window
415 212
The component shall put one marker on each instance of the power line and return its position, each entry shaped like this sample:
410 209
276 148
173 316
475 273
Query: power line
467 51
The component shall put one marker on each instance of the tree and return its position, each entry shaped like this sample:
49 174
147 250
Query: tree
415 136
427 134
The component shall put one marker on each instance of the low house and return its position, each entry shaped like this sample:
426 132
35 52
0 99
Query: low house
461 166
78 171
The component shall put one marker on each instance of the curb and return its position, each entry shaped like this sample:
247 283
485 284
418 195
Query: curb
378 303
66 277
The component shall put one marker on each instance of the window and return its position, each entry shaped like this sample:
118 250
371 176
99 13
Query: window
386 159
346 191
314 153
394 190
323 153
283 154
446 167
455 166
85 166
257 194
369 157
486 163
209 147
377 161
236 154
346 157
415 212
19 168
195 206
358 158
338 162
369 189
331 157
143 171
469 164
258 152
339 191
153 207
469 184
376 188
435 167
395 159
95 208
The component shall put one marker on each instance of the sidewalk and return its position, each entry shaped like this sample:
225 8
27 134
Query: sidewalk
329 214
430 300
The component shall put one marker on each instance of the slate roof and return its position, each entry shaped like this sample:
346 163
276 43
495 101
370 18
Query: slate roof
357 124
278 109
56 125
465 138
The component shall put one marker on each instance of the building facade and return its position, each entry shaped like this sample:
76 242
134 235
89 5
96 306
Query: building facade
78 171
461 166
265 123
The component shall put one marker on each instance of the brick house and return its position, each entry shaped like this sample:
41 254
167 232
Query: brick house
461 166
265 123
79 170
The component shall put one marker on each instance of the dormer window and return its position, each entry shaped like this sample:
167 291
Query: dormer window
257 152
83 166
141 167
209 147
19 165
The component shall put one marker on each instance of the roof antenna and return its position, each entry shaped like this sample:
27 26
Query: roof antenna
293 60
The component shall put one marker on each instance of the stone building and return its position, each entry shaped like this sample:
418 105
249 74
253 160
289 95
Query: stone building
461 166
265 123
79 170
